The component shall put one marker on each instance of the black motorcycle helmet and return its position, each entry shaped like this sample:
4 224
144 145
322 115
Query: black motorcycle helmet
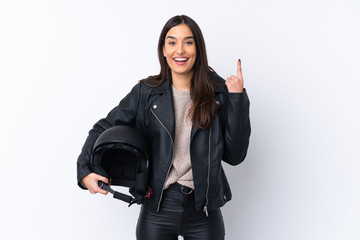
122 154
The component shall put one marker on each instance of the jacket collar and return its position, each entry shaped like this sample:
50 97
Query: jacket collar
164 87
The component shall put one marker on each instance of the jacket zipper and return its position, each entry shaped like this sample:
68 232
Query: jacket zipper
208 178
172 141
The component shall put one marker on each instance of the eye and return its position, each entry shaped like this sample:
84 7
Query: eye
171 43
189 43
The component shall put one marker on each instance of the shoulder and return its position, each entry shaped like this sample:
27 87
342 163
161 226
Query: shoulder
142 87
146 88
215 77
218 82
148 85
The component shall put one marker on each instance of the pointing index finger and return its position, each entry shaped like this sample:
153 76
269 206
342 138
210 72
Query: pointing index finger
239 73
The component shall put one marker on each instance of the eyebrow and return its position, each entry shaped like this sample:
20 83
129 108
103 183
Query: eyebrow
172 37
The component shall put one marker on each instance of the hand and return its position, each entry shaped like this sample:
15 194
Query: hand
235 84
91 183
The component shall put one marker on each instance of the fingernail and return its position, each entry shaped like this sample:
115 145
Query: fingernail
239 60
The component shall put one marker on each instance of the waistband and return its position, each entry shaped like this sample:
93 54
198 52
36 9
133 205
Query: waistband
178 187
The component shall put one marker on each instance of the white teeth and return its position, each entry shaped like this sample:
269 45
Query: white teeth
180 59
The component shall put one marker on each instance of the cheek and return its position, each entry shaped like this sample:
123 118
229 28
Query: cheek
169 55
194 56
193 52
168 60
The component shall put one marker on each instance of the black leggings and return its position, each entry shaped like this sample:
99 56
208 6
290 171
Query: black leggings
178 216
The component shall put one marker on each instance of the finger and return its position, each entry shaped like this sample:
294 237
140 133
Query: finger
228 81
102 191
239 73
103 179
99 189
234 78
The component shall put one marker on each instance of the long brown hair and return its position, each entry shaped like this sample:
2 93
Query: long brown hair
202 110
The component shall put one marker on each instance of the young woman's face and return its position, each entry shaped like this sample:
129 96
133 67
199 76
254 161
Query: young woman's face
179 50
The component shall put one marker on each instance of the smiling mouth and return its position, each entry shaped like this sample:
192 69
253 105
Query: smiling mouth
180 60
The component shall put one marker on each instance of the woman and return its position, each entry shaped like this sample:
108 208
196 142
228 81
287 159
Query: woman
194 121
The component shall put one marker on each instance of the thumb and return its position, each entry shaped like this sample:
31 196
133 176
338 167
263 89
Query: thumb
103 179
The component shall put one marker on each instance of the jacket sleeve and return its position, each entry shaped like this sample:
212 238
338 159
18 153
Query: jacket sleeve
124 114
237 128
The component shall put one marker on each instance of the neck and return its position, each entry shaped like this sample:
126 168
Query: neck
181 82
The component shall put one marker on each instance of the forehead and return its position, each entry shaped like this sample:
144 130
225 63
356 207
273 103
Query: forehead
180 31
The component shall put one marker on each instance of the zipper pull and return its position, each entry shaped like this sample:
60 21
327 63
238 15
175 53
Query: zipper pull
206 211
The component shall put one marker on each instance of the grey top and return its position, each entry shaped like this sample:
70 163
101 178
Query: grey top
181 171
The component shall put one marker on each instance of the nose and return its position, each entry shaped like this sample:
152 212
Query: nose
180 49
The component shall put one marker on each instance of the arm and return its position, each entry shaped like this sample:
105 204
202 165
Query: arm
237 128
125 113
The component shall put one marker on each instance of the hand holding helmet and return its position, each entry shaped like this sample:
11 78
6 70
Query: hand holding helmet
91 183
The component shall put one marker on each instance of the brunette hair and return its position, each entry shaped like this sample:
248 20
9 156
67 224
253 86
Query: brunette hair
202 110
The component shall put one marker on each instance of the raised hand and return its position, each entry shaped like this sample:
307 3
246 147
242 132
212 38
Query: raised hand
235 84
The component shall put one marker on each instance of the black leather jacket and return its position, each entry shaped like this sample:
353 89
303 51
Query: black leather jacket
151 111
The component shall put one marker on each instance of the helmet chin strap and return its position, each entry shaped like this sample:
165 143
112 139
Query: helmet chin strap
118 195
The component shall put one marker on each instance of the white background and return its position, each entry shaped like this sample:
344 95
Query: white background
65 64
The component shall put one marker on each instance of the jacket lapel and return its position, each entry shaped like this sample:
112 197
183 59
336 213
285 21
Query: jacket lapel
163 106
